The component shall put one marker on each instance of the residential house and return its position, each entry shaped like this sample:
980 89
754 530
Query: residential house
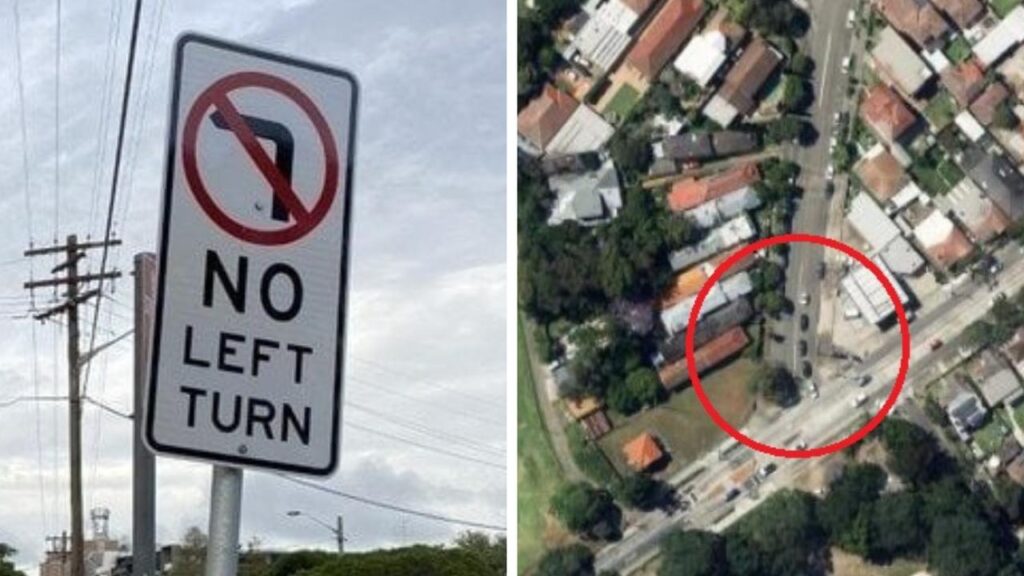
544 116
976 211
881 173
703 57
966 413
1007 35
985 106
1015 470
733 142
739 91
643 452
596 425
685 285
969 126
1012 71
600 36
729 234
941 240
894 59
688 147
1014 351
664 36
870 296
994 379
692 192
580 408
918 19
886 114
716 351
677 317
965 81
882 236
998 177
590 198
735 313
965 13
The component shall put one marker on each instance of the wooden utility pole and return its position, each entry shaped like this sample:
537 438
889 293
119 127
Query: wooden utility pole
72 280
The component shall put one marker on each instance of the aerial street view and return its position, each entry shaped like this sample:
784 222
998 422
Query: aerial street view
771 287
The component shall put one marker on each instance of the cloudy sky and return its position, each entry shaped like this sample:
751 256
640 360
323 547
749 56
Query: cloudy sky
427 332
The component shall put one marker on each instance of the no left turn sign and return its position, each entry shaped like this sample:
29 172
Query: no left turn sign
246 359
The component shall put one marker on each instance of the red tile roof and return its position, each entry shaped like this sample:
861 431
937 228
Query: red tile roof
953 249
882 175
749 74
719 349
963 12
964 81
984 108
918 19
664 36
690 193
642 452
886 113
545 115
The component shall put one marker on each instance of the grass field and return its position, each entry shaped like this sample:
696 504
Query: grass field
623 101
1003 7
539 473
941 111
683 426
935 173
958 50
990 436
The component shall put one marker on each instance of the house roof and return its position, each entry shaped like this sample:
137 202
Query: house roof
982 217
638 6
966 410
1012 71
642 452
582 407
663 37
1002 386
1015 470
691 193
596 425
886 113
689 146
984 107
703 56
749 74
871 223
731 142
545 115
942 240
918 19
1000 180
1007 34
710 327
964 81
686 285
881 173
963 12
714 352
900 62
869 295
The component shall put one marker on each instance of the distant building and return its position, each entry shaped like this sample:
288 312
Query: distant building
664 36
1005 36
590 198
966 413
703 57
868 294
999 179
729 234
739 91
918 19
895 59
982 217
881 173
886 114
942 241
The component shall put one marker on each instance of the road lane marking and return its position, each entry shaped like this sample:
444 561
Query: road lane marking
824 81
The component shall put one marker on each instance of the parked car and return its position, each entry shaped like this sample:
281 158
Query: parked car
821 270
805 298
732 494
766 470
803 347
805 322
859 400
936 344
805 369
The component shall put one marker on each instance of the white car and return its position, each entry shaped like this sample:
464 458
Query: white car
851 19
805 298
846 65
830 173
859 400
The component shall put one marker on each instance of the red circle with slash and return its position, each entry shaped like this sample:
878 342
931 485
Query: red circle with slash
217 97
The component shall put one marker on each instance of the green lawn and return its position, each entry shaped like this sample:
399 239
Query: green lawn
958 50
935 173
681 423
539 473
1003 7
1018 414
941 111
623 102
990 436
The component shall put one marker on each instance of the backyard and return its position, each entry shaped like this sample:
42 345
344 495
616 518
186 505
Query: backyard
1003 7
935 173
539 473
681 424
623 102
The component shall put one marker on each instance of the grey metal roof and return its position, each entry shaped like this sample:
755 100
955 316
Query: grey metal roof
998 178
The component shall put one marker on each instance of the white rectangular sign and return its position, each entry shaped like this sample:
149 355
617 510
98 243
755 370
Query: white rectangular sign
250 313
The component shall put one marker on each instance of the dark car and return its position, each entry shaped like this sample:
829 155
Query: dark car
821 270
732 494
803 347
806 369
805 322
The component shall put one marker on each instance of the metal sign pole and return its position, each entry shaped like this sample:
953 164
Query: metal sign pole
225 516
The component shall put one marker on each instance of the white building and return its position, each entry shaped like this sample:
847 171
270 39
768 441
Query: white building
703 57
590 198
677 317
1002 38
868 294
584 131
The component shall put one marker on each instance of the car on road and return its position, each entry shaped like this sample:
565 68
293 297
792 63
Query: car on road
820 269
732 494
862 380
802 347
859 400
805 322
812 388
805 298
851 19
846 65
801 445
935 344
805 369
766 470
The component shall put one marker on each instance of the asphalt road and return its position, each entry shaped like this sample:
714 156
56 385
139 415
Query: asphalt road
828 42
817 422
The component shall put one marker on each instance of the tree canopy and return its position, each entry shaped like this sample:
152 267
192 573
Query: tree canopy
574 560
586 510
693 553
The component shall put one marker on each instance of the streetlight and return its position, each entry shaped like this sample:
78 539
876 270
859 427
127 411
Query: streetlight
338 530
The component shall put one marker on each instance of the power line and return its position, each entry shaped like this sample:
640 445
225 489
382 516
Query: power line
392 507
436 434
56 129
377 387
133 42
463 393
382 434
103 130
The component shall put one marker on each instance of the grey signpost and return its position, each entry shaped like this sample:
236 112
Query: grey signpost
245 368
